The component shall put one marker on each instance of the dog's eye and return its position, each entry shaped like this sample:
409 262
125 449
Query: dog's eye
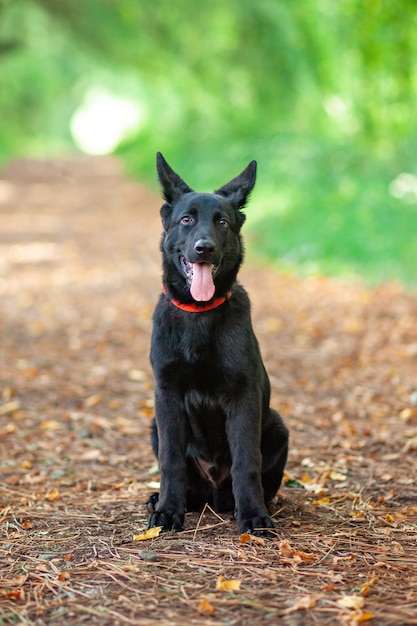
223 222
186 219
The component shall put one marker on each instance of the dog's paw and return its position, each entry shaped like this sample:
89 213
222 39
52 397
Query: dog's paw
151 503
168 522
257 525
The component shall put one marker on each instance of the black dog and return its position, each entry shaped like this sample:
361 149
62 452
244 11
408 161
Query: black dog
216 438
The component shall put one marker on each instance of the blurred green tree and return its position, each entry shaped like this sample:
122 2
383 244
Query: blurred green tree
323 94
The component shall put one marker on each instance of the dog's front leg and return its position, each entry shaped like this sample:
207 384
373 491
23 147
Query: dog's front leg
244 436
171 429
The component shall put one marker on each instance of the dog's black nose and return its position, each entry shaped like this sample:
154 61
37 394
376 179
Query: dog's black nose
204 246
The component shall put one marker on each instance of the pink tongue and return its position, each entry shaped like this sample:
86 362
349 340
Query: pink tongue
202 286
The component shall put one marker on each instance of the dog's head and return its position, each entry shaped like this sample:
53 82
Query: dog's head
201 243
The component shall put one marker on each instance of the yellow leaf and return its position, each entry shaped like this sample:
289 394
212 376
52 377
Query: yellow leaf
151 533
52 495
365 590
322 501
390 518
351 602
337 476
364 617
93 400
50 425
9 407
227 585
206 607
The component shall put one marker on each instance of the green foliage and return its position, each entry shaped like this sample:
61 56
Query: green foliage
322 94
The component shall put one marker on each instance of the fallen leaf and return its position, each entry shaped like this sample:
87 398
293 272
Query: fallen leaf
298 556
9 407
322 501
151 533
247 538
397 548
50 425
351 602
285 548
223 584
338 476
206 607
364 617
304 603
137 376
52 495
93 400
16 580
305 556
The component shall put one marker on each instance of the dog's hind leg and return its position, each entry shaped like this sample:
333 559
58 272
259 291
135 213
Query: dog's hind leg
274 449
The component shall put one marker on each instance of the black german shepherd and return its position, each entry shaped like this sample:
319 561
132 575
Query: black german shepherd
215 436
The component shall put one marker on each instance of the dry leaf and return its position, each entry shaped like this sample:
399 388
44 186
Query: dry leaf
304 603
351 602
15 594
151 533
305 556
337 476
93 400
206 607
364 617
322 501
298 556
397 548
50 425
285 548
223 584
16 580
367 587
52 495
9 407
246 538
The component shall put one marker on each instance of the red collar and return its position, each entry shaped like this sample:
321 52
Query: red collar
199 308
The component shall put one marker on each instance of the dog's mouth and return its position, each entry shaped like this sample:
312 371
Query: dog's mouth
200 277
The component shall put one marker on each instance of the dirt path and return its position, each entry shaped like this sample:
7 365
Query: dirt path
79 276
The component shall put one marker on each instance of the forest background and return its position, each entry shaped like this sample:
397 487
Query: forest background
323 94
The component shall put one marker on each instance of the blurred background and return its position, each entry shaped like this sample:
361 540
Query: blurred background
322 94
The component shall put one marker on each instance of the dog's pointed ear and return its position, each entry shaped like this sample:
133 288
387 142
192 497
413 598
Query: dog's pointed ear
173 186
238 189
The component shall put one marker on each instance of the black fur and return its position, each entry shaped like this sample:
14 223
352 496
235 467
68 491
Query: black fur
215 436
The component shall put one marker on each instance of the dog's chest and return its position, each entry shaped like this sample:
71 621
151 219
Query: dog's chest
197 343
